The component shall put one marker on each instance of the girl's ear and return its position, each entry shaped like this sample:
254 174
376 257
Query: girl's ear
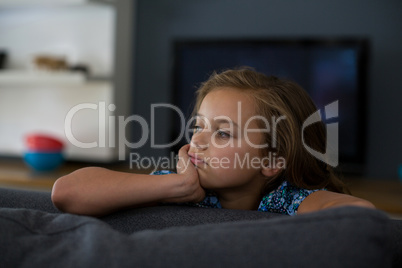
270 169
269 172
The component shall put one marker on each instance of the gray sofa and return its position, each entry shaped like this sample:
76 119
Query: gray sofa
35 234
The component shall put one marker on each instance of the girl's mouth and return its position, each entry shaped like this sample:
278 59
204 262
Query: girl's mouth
197 161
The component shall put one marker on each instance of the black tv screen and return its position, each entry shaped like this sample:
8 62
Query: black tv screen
328 69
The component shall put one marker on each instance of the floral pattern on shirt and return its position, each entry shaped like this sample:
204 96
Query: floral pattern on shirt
286 199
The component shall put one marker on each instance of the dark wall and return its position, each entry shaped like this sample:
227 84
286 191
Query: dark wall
160 21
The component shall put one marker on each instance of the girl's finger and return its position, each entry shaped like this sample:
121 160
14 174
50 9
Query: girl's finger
183 158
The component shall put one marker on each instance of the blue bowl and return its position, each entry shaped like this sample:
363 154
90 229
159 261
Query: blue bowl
44 161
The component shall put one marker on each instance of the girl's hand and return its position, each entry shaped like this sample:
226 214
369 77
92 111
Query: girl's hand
191 190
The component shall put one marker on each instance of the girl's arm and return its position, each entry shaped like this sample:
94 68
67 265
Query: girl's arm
326 199
98 191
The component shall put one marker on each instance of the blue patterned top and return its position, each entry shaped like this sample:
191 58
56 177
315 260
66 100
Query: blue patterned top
286 199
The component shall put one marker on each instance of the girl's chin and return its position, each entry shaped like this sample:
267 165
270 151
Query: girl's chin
203 181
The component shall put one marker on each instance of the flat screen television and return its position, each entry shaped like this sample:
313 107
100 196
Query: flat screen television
329 69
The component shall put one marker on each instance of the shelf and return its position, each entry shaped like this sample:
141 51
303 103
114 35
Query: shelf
32 78
48 3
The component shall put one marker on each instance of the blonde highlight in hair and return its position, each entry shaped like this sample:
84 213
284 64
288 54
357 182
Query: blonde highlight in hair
275 99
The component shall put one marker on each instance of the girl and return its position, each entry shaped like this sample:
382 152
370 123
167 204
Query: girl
246 153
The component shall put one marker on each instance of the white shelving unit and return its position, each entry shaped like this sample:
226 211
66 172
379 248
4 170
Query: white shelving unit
95 33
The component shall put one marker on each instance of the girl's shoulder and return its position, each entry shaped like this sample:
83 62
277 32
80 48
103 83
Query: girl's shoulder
286 199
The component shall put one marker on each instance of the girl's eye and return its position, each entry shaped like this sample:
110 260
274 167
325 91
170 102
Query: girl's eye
197 129
223 134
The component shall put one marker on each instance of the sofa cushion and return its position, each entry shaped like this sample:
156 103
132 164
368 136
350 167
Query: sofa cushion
342 237
162 217
18 198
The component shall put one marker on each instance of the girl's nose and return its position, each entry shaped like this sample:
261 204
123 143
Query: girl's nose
200 140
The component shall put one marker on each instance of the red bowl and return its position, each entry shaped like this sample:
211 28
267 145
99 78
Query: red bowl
43 143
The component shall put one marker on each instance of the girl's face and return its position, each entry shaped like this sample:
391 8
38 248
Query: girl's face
224 147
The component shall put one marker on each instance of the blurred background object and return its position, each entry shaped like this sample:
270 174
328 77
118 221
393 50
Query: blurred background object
50 63
3 59
60 54
43 152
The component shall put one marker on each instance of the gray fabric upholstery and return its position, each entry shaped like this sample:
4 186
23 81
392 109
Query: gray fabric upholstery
340 238
178 236
170 216
135 219
396 242
13 198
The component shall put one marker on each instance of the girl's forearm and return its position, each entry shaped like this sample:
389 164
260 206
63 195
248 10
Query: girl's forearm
97 191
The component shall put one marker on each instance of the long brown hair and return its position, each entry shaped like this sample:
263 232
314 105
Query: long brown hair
275 98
